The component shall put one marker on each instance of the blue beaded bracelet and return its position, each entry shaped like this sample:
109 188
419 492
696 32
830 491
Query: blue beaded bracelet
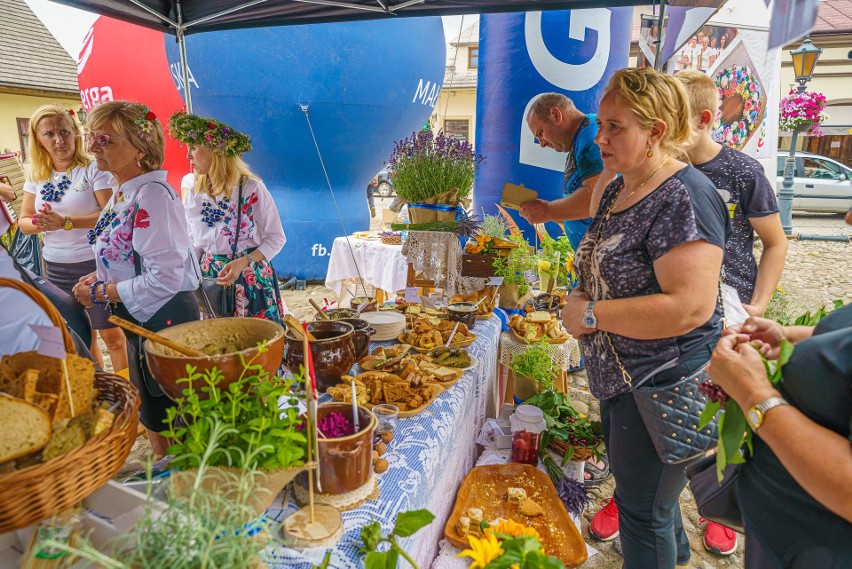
104 292
92 292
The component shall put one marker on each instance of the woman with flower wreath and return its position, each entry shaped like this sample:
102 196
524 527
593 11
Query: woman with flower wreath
145 268
63 197
237 256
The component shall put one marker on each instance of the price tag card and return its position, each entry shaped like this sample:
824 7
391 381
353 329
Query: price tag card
411 294
494 281
50 341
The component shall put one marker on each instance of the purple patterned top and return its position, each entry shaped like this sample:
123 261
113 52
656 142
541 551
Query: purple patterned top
684 208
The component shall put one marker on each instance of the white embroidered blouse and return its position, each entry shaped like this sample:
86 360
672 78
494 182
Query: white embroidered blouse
212 223
146 216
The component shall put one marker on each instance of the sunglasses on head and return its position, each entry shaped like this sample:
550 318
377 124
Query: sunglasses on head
101 140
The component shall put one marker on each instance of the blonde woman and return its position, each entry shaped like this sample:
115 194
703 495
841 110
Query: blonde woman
223 193
145 269
63 197
649 270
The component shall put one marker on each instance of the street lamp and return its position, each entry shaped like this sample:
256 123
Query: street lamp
804 60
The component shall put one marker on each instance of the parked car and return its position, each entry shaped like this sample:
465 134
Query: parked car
820 184
385 188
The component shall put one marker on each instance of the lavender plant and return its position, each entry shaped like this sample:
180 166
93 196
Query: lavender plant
427 165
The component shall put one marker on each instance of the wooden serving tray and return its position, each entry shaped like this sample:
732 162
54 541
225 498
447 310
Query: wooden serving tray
434 388
458 344
485 487
561 340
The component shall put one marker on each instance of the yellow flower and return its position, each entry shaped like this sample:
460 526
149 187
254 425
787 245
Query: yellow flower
512 528
482 550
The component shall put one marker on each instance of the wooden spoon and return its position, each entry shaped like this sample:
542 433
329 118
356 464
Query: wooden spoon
319 310
296 329
154 337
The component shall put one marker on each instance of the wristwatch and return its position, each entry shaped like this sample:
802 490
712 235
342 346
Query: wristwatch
757 413
67 226
589 320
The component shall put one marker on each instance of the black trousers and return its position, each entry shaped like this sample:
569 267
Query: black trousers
181 308
647 489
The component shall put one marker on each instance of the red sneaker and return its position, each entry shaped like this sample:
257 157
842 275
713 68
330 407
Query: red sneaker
604 524
719 539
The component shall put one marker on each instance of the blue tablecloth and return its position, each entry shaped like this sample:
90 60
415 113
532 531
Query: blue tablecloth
430 455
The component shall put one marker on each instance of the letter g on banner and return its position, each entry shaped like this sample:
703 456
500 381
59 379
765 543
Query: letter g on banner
570 76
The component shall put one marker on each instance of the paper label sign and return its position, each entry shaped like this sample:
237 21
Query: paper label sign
515 196
50 343
411 294
494 281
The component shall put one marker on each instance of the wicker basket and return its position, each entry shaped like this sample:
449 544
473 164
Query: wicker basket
581 454
392 239
38 492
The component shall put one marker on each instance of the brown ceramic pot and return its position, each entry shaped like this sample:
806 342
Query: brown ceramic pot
337 348
359 324
461 312
241 335
346 462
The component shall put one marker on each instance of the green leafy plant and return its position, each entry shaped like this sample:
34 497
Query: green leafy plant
808 319
494 226
244 418
536 363
514 266
565 273
407 524
524 552
568 426
426 165
734 431
200 530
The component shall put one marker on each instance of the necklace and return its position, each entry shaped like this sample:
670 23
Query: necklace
617 202
51 193
212 215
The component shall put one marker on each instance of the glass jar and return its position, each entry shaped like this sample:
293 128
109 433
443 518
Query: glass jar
527 425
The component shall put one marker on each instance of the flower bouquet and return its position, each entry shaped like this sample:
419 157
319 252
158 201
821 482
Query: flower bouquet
433 174
803 111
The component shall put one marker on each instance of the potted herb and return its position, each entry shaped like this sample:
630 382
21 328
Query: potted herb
433 174
533 370
569 433
563 270
516 269
236 429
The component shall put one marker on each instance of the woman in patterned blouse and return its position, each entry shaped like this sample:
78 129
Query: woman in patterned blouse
235 256
145 268
649 269
63 197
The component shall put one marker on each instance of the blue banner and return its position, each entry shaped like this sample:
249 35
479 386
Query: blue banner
363 85
525 54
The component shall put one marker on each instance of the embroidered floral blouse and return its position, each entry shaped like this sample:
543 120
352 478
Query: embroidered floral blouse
148 219
260 224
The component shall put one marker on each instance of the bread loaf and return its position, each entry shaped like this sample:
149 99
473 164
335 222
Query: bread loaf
26 428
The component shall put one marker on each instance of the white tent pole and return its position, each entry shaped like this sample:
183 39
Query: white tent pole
347 5
224 12
180 31
658 63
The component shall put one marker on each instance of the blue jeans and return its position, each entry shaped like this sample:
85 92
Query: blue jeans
647 489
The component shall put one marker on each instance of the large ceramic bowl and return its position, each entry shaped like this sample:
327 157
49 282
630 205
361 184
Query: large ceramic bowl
226 338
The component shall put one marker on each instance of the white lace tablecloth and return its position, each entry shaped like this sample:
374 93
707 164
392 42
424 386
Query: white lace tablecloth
437 255
382 266
566 355
429 456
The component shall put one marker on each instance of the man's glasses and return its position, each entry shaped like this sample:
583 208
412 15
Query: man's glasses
101 140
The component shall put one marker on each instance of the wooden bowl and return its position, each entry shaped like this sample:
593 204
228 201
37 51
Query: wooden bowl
238 336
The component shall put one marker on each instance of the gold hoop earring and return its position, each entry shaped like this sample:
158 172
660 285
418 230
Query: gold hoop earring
650 151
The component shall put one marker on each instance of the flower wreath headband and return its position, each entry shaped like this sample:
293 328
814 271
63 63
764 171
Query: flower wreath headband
146 124
209 133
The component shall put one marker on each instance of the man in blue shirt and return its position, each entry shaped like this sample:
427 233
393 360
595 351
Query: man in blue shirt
558 124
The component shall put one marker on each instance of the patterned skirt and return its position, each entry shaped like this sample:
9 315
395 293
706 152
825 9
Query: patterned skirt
256 289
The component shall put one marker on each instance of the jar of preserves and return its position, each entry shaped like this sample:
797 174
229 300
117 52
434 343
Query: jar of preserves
527 425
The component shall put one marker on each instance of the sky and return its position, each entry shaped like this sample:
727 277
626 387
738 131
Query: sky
69 25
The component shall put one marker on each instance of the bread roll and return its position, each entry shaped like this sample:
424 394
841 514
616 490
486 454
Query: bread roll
25 428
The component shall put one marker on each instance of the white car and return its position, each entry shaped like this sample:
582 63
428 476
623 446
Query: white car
820 184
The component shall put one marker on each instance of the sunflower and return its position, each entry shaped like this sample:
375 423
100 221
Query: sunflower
482 550
513 528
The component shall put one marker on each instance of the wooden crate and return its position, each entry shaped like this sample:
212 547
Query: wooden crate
478 265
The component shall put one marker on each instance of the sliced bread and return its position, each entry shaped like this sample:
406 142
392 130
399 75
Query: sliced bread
25 428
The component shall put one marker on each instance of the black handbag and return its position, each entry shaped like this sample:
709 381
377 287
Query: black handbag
26 250
221 301
718 502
